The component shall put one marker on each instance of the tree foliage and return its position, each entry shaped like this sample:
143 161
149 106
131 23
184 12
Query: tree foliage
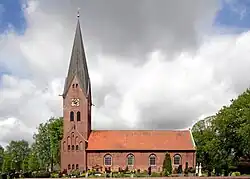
167 165
223 139
43 153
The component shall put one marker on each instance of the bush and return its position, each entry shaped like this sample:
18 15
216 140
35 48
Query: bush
191 170
41 174
179 170
167 165
235 174
27 174
54 175
3 176
149 171
154 174
186 169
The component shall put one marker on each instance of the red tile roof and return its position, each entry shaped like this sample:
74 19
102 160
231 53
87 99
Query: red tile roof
140 140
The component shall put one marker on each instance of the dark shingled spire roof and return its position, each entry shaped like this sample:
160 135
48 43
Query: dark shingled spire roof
78 65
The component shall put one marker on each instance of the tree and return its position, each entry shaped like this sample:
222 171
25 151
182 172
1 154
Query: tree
33 162
223 139
42 146
167 165
232 129
1 157
6 162
16 154
206 143
47 142
56 134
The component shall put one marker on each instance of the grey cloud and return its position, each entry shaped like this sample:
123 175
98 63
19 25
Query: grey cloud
17 135
133 28
166 116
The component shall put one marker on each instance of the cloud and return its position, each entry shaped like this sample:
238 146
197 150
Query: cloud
152 66
132 28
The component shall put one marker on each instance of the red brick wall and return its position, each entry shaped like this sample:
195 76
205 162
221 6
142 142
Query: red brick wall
141 159
78 135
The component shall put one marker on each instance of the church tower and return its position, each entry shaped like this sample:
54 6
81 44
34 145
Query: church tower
76 108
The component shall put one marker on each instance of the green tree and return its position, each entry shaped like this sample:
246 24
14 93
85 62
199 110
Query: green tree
206 143
232 127
47 142
167 165
16 154
223 139
6 162
1 157
56 134
33 161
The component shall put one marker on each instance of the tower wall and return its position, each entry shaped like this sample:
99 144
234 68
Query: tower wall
76 130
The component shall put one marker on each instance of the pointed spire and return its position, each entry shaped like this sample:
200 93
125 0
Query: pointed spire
78 63
78 13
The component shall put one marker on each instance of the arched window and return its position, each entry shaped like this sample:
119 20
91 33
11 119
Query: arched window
71 116
76 85
64 146
73 86
77 166
78 116
81 145
130 160
68 147
152 160
77 148
107 160
73 166
177 159
69 167
72 147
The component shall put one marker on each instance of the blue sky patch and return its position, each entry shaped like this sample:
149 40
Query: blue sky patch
234 14
11 13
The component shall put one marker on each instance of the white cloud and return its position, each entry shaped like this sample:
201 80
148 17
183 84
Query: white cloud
165 91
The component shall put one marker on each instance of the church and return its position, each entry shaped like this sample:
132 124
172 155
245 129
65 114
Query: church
83 148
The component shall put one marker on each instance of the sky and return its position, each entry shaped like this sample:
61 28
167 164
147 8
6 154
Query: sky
153 64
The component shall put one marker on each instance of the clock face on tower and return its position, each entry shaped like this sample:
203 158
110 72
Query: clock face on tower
75 102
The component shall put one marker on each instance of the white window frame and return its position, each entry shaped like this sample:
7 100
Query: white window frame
177 155
106 156
152 155
131 157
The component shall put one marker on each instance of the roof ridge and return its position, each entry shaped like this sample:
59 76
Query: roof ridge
177 130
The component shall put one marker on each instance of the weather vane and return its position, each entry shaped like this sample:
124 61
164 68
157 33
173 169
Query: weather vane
78 13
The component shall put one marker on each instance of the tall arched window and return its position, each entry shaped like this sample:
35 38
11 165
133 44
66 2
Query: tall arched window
78 116
73 166
69 167
71 116
107 160
130 160
152 160
177 159
64 146
77 166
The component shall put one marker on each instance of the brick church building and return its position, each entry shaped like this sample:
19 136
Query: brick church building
82 147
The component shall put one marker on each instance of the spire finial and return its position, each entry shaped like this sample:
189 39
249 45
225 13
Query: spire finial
78 13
